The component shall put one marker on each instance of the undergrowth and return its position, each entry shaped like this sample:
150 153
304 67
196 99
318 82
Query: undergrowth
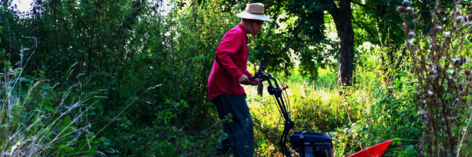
368 113
38 120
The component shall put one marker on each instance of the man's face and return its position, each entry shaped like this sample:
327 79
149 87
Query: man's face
256 26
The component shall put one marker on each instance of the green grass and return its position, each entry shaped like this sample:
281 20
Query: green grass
357 120
45 120
37 119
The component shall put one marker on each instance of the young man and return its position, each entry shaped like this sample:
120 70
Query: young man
229 71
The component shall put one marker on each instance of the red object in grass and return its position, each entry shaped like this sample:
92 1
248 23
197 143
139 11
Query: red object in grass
374 151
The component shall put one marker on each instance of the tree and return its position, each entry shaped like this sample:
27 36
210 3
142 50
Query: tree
342 16
305 34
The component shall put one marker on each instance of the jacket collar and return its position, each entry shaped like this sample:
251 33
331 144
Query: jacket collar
243 29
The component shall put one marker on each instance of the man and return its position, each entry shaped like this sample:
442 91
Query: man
229 71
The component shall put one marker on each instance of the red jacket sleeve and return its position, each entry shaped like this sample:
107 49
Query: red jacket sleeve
230 45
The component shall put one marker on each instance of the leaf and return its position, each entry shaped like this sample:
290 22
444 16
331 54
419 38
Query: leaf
396 140
67 121
45 86
49 108
410 149
399 84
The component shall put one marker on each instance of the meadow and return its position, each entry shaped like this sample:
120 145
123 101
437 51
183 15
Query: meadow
129 78
367 114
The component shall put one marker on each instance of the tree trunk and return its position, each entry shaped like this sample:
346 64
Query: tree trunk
342 18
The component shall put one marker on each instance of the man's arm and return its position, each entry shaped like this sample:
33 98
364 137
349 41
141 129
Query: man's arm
230 45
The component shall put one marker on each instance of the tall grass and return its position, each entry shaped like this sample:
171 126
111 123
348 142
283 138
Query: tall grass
366 114
38 120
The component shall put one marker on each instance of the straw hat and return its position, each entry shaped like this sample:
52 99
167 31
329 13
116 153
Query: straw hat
254 11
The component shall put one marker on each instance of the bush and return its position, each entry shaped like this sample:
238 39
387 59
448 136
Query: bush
439 62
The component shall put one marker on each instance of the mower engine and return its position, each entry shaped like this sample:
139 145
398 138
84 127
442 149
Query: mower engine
312 144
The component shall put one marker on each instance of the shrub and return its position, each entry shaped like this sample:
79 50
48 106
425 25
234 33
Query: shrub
443 80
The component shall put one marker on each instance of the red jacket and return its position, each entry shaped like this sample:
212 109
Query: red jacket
230 63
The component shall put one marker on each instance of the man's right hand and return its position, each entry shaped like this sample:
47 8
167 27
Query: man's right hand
243 79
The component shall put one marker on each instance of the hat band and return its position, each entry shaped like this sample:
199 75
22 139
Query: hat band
255 13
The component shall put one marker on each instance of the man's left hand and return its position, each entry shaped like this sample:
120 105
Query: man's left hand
255 82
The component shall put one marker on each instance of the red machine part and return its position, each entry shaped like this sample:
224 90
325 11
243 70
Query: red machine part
374 151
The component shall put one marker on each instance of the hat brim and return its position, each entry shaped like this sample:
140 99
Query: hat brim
246 15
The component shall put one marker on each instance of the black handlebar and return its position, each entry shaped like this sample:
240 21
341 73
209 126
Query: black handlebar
277 93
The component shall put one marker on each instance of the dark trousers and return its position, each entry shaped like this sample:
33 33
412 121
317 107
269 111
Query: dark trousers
240 130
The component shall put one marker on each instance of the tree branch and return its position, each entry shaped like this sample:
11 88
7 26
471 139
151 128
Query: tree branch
333 11
370 33
362 5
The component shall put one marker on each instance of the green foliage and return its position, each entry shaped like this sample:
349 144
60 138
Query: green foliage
37 119
295 34
122 48
87 85
367 114
378 22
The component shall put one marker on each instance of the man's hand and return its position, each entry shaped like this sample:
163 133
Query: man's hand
243 79
255 82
